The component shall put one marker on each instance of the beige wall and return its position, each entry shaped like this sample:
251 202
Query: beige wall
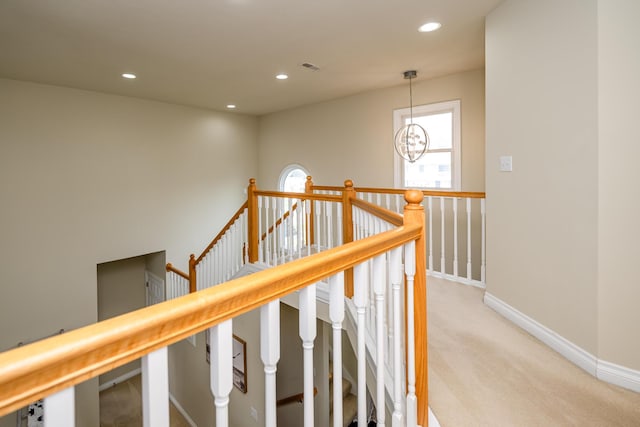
541 108
619 176
87 178
121 289
352 137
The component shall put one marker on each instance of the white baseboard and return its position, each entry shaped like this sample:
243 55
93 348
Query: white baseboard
619 375
120 379
603 370
182 411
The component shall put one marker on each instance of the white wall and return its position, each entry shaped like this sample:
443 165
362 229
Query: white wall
541 108
87 178
352 137
619 177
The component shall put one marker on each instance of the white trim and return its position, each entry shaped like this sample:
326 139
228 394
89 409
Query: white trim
287 170
433 421
182 411
120 379
603 370
457 279
575 354
619 375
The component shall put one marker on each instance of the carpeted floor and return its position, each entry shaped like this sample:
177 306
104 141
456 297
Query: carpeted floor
121 406
485 371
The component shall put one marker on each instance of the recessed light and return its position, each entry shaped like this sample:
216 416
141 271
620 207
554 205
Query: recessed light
282 76
231 106
129 76
429 26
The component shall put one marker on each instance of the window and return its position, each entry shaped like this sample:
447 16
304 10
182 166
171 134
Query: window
439 167
293 179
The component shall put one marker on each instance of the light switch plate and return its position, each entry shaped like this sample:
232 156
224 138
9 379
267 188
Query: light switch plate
506 164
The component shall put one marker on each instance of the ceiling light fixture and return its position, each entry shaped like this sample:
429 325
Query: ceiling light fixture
429 26
411 140
129 75
282 76
231 106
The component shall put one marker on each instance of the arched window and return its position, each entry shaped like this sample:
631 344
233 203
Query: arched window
293 178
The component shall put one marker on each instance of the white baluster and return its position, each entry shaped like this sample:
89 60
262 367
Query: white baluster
329 209
410 271
396 283
270 354
430 209
59 409
379 275
273 234
308 225
289 229
302 208
336 313
469 239
455 236
482 221
307 331
318 225
360 298
443 269
261 247
221 369
155 389
339 225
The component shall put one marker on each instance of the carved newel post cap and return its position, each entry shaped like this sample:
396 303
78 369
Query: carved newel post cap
348 183
252 181
309 178
413 197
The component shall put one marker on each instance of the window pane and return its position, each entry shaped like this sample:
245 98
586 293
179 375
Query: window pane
433 170
439 127
294 181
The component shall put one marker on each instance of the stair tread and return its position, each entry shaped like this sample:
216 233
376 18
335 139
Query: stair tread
349 410
346 390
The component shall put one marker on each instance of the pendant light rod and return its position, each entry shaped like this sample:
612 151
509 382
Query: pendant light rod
410 74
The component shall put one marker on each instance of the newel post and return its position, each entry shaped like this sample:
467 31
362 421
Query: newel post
192 274
252 221
414 214
348 194
308 189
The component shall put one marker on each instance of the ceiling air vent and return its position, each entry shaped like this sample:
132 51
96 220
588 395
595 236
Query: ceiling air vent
310 66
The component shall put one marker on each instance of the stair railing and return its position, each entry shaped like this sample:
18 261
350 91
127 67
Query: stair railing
51 368
456 228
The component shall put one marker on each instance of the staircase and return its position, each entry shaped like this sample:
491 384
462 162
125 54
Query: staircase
349 401
368 256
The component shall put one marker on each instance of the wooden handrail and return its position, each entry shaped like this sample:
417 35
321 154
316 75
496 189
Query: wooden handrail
301 196
382 213
284 216
434 193
37 370
294 398
171 268
327 188
221 233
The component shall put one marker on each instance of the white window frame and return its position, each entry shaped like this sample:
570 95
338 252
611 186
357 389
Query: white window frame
423 110
286 171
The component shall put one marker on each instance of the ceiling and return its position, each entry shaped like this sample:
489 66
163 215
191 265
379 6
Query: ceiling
210 53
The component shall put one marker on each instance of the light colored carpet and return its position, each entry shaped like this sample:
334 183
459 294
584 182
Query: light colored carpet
121 406
485 371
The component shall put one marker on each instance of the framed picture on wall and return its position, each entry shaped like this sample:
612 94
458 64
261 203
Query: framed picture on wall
240 364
